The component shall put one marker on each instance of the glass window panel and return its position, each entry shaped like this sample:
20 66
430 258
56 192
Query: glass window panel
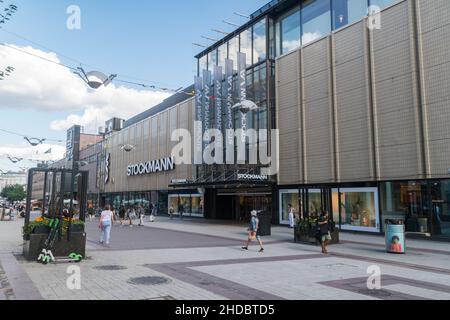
203 63
272 49
289 197
246 45
259 41
233 49
359 209
222 53
348 11
383 3
316 20
290 32
314 203
212 60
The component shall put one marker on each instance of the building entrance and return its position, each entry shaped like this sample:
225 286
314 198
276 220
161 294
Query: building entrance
238 207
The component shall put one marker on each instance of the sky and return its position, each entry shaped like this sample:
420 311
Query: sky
141 41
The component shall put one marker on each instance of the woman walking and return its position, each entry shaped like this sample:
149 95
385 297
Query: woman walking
106 222
253 232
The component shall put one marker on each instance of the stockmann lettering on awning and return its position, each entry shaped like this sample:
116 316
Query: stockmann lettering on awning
161 165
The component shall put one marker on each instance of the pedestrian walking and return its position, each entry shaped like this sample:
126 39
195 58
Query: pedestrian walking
171 211
122 213
131 215
141 214
324 231
106 222
253 232
291 214
181 210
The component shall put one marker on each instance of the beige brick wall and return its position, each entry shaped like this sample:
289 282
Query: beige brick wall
369 105
152 138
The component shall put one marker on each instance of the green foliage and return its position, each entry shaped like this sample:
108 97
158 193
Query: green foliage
306 224
44 222
14 193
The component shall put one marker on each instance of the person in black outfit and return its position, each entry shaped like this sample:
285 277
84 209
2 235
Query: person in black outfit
324 230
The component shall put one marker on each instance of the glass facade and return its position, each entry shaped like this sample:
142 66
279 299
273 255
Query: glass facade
424 205
289 32
190 204
316 17
259 41
348 11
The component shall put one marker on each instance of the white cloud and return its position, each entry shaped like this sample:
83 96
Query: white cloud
46 86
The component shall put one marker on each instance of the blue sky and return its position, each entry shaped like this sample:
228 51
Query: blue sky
147 40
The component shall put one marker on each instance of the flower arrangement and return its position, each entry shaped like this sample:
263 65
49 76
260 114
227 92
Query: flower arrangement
45 223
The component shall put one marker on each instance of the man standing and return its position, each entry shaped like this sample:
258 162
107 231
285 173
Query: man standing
253 232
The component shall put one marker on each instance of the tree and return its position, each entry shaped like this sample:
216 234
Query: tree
14 193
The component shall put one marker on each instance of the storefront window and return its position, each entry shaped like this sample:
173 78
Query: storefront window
289 32
358 209
314 203
348 11
288 197
191 205
259 41
425 206
316 20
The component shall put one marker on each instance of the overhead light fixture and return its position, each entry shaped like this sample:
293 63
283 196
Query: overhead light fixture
95 79
128 147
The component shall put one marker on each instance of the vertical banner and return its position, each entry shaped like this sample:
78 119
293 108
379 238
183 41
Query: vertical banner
229 126
218 78
242 90
206 107
218 87
198 128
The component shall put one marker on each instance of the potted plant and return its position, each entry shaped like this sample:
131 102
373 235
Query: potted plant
305 231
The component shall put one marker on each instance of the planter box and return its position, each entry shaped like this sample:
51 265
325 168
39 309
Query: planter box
32 248
304 237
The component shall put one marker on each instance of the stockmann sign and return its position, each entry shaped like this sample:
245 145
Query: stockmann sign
161 165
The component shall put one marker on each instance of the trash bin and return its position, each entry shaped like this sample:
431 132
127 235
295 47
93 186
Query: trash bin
265 223
395 236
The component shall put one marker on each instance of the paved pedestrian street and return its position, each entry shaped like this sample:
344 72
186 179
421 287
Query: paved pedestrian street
198 260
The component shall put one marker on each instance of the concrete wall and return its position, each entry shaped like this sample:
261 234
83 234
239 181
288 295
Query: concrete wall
152 140
361 105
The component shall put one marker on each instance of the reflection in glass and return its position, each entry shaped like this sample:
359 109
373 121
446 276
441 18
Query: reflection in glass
314 203
290 32
222 53
212 59
202 64
316 20
233 49
246 45
383 3
259 41
348 11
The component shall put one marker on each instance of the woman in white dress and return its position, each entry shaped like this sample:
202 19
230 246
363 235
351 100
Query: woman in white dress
291 213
